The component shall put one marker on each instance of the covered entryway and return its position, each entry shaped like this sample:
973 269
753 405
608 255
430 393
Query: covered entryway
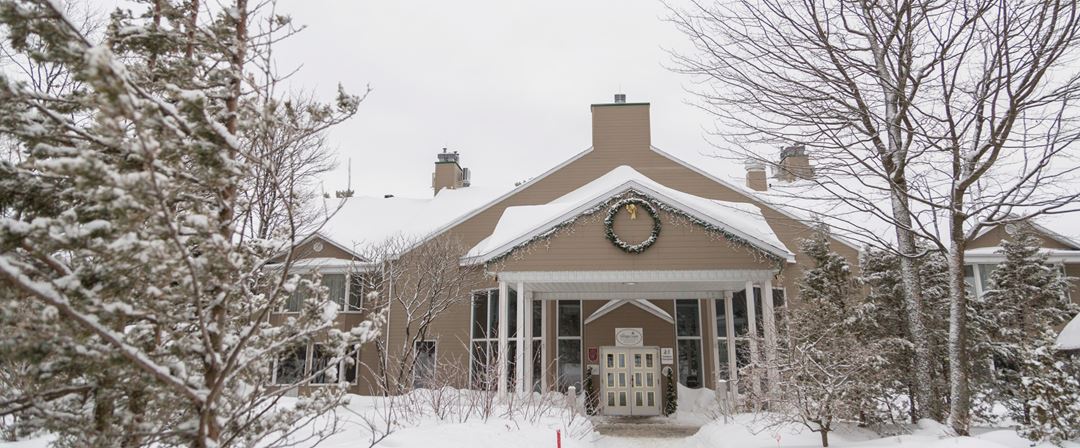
599 260
630 381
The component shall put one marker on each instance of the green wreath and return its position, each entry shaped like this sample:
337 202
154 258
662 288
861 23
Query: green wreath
609 226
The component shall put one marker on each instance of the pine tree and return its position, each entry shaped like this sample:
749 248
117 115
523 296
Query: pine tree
1050 384
139 314
1026 299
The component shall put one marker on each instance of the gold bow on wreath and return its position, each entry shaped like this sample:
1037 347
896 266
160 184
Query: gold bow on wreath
632 210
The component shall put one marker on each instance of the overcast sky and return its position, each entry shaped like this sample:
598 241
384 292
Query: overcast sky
507 84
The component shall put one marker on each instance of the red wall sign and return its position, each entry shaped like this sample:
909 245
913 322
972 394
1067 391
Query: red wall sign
594 354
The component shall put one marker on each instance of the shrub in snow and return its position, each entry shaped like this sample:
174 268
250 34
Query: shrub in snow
592 396
826 371
671 394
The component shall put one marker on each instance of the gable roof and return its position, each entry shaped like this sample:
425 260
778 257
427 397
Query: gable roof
521 224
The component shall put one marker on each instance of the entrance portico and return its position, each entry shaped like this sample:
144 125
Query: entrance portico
717 329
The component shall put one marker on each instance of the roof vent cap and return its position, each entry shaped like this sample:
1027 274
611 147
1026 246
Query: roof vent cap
752 164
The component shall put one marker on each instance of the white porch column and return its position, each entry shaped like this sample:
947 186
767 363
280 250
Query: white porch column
519 354
770 333
713 343
529 356
504 332
729 310
751 316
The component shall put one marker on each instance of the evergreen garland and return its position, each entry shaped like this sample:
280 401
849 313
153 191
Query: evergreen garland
609 225
671 396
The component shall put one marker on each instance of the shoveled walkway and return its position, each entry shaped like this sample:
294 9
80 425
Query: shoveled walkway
652 432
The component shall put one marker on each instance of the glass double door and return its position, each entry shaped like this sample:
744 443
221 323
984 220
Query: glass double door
630 380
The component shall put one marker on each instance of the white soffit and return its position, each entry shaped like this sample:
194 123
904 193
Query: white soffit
995 255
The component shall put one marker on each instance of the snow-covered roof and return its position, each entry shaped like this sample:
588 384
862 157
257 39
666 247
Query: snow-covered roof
521 224
863 221
1069 338
364 220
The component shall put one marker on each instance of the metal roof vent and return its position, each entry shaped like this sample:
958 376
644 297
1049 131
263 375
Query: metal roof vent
620 98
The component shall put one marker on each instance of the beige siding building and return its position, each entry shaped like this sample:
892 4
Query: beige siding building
621 262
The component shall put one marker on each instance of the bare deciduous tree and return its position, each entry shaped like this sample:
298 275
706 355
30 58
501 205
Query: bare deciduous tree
937 117
420 287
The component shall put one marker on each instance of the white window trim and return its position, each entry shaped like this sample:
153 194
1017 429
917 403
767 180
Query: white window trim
580 338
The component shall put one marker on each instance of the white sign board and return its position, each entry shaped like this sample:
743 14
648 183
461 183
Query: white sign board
667 355
629 337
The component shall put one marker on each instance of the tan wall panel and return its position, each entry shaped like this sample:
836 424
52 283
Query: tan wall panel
329 250
680 246
995 236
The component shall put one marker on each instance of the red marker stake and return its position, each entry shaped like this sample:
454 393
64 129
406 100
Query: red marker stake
558 438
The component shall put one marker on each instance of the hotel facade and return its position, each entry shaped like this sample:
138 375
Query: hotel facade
620 262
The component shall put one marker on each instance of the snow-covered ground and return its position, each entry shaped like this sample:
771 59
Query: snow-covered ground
460 422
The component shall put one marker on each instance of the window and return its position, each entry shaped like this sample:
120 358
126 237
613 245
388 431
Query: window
568 320
335 285
688 342
320 365
350 366
485 339
483 369
358 286
984 277
338 290
424 370
326 370
290 367
537 345
737 312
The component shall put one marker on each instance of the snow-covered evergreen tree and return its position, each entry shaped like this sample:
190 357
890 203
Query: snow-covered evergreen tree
1025 300
1050 385
138 314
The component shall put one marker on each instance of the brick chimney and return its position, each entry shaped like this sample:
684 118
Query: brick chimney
620 127
755 175
448 173
794 164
